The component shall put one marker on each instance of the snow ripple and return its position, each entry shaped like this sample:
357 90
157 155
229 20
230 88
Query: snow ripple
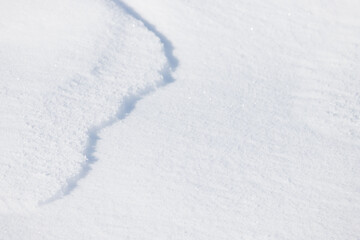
60 122
128 104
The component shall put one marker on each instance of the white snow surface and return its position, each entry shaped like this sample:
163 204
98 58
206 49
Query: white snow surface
64 75
179 119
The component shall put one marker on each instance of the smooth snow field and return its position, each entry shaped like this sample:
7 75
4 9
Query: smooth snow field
178 119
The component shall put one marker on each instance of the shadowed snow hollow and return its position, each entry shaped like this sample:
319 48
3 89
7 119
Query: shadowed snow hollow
65 67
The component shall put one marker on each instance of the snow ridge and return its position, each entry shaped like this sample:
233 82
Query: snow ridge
168 46
127 106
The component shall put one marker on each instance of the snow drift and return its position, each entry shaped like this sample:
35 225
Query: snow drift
68 69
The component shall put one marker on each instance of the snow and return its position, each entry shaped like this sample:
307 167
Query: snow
65 83
180 119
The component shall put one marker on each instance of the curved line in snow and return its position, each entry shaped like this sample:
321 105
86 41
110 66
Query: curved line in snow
124 110
168 46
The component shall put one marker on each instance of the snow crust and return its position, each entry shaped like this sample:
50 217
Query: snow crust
258 137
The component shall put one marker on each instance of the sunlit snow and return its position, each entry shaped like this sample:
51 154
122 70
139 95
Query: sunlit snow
179 119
